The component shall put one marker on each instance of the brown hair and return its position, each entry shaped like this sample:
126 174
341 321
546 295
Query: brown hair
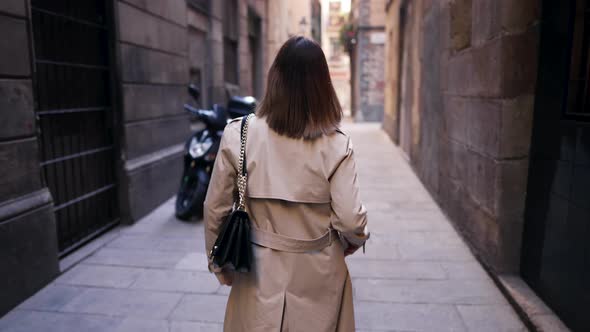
300 101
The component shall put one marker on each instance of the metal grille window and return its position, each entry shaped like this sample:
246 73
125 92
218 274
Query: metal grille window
74 111
230 42
254 44
197 79
202 5
579 82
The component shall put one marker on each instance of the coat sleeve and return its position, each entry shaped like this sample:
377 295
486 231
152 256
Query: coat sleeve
222 187
350 215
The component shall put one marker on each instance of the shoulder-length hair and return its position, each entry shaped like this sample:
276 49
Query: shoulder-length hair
300 101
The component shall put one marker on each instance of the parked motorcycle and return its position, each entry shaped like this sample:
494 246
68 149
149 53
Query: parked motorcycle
201 150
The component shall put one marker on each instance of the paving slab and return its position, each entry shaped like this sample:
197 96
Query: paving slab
416 238
464 270
428 291
52 298
183 244
201 308
164 325
42 321
177 281
435 252
386 252
128 303
417 273
179 326
377 269
135 241
131 324
136 258
100 276
490 318
375 316
195 261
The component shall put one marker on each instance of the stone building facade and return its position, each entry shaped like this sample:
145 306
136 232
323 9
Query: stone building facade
335 52
92 130
27 224
287 18
367 58
486 100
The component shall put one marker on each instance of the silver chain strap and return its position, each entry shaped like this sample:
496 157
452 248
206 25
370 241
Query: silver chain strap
243 179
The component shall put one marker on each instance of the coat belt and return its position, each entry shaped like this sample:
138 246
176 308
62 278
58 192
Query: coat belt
284 243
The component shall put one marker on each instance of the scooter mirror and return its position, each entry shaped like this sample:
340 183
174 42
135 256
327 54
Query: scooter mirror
194 91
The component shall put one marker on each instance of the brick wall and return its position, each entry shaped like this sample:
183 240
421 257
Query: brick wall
471 132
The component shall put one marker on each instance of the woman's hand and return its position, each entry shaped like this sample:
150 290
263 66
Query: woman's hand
225 277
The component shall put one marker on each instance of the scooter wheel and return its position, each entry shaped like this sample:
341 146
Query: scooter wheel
189 202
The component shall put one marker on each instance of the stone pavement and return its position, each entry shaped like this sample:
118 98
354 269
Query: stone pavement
417 274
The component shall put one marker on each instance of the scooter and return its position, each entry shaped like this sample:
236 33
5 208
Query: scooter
201 150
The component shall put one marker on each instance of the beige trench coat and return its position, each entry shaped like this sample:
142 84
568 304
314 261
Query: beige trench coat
298 189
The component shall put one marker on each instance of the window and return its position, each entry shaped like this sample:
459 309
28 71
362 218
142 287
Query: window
197 55
197 79
255 45
578 99
202 5
230 42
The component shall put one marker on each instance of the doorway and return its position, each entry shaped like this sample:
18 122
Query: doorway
74 109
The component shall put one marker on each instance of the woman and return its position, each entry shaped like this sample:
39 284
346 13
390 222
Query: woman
303 201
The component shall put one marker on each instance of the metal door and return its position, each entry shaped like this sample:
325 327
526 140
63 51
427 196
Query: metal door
556 250
75 115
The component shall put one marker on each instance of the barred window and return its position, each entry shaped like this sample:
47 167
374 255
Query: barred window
230 42
196 79
202 5
578 103
255 52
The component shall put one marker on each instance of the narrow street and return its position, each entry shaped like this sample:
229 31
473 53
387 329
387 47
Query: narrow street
416 275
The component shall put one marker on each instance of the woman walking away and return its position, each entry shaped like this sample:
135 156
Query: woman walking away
302 198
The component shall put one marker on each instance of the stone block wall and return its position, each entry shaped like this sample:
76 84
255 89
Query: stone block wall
392 72
28 240
205 47
215 85
487 119
199 52
252 77
153 73
478 65
277 29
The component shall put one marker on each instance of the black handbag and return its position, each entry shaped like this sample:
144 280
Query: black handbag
233 248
